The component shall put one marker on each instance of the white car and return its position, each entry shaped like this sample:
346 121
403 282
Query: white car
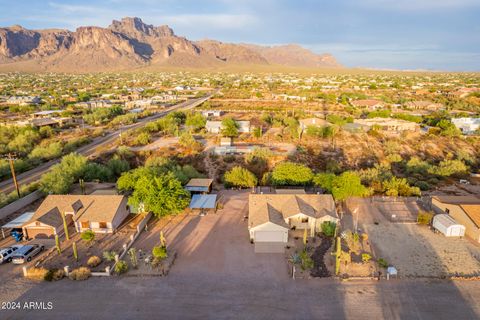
26 253
7 253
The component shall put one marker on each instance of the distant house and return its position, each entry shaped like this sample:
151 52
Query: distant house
24 100
464 209
467 125
99 213
46 113
389 124
271 216
370 104
355 127
424 105
216 126
183 88
212 113
314 122
92 104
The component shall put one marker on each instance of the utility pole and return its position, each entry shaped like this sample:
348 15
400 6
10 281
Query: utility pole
10 158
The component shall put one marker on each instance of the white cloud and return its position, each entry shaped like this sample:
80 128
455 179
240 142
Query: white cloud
202 21
416 5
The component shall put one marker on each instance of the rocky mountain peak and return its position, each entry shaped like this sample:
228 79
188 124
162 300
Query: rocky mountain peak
135 27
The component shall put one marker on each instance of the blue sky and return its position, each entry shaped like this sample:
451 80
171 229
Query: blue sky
398 34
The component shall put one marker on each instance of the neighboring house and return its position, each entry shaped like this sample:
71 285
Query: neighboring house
467 125
212 113
271 216
313 122
99 213
370 104
216 126
389 124
464 209
199 185
43 122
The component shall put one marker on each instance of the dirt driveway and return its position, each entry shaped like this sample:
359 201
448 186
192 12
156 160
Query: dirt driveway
216 245
416 250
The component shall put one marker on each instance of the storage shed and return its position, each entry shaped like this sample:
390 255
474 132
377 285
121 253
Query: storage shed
448 226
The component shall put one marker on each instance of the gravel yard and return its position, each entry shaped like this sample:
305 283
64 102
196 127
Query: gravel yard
417 251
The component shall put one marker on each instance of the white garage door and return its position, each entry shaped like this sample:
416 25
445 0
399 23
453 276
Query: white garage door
270 241
269 247
269 236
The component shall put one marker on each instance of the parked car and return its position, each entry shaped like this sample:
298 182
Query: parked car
7 253
26 253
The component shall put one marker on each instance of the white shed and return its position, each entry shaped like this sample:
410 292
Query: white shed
448 226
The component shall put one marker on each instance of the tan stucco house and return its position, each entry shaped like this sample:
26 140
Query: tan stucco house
464 209
99 213
271 216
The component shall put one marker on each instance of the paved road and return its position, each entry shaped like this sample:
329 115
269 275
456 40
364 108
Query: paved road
91 148
233 297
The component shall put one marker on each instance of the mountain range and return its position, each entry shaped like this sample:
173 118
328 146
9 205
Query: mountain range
131 44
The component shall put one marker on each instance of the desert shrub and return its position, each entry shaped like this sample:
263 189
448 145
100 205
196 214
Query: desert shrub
94 261
121 267
159 253
328 228
366 257
81 273
382 263
88 235
306 260
109 255
58 274
54 275
37 273
423 185
424 217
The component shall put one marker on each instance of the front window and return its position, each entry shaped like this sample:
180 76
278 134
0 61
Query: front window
102 225
85 224
304 220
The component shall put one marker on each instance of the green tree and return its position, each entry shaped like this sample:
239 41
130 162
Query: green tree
229 127
346 185
162 195
195 121
399 187
293 174
142 139
240 177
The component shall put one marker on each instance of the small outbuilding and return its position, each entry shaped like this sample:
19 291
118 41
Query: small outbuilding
448 226
199 185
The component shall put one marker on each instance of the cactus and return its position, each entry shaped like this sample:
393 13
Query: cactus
163 241
57 244
133 257
337 256
82 185
75 253
65 227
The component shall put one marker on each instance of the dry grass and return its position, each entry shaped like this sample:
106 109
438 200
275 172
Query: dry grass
37 273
